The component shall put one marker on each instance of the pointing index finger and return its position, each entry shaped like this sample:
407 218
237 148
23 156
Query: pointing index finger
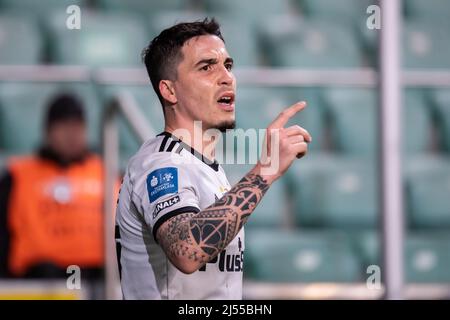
288 113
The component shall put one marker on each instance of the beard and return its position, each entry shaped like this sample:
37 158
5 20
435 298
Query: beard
226 125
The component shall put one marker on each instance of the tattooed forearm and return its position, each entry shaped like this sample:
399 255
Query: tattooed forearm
216 226
202 236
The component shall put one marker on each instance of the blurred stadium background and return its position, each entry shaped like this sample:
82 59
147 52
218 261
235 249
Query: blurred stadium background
317 230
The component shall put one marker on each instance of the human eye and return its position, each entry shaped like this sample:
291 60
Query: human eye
206 67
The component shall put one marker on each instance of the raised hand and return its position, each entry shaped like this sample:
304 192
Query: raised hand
283 145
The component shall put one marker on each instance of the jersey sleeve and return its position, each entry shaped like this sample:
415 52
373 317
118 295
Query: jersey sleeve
169 190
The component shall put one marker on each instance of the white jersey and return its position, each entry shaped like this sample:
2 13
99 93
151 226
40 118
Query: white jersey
166 178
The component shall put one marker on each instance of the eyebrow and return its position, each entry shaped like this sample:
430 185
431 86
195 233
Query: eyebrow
213 61
229 60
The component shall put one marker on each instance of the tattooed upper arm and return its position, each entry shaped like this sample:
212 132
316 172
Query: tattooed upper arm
174 236
192 239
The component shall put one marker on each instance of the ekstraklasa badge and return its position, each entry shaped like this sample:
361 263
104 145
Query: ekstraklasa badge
161 182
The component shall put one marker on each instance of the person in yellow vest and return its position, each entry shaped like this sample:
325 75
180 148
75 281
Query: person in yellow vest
51 202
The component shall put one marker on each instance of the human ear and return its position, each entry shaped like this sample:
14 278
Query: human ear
167 91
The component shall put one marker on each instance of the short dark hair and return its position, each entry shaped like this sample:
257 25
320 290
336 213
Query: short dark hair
163 54
64 106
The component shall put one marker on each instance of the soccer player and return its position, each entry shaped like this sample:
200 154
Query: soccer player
179 224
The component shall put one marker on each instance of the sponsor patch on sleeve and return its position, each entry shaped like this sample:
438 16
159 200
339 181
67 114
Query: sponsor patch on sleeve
165 204
161 182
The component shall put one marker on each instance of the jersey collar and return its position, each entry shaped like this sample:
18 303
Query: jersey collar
212 164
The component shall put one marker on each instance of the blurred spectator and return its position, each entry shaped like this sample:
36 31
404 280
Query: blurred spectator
51 202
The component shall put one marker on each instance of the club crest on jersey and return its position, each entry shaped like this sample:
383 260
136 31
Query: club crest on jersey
161 182
165 204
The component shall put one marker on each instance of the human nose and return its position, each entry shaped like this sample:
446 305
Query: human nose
226 76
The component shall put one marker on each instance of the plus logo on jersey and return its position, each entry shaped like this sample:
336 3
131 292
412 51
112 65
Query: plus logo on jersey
228 262
165 204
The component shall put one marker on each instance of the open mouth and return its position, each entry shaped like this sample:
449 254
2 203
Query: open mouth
226 100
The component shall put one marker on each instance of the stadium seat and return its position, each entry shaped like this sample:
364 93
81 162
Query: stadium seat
257 107
165 19
272 210
427 254
312 117
440 99
149 104
427 192
158 21
343 9
431 9
425 44
301 256
417 122
142 6
104 40
23 106
20 40
241 41
428 258
240 38
250 9
368 38
310 43
353 121
351 13
366 244
41 7
335 192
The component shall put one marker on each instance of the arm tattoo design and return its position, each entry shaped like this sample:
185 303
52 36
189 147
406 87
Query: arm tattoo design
202 236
